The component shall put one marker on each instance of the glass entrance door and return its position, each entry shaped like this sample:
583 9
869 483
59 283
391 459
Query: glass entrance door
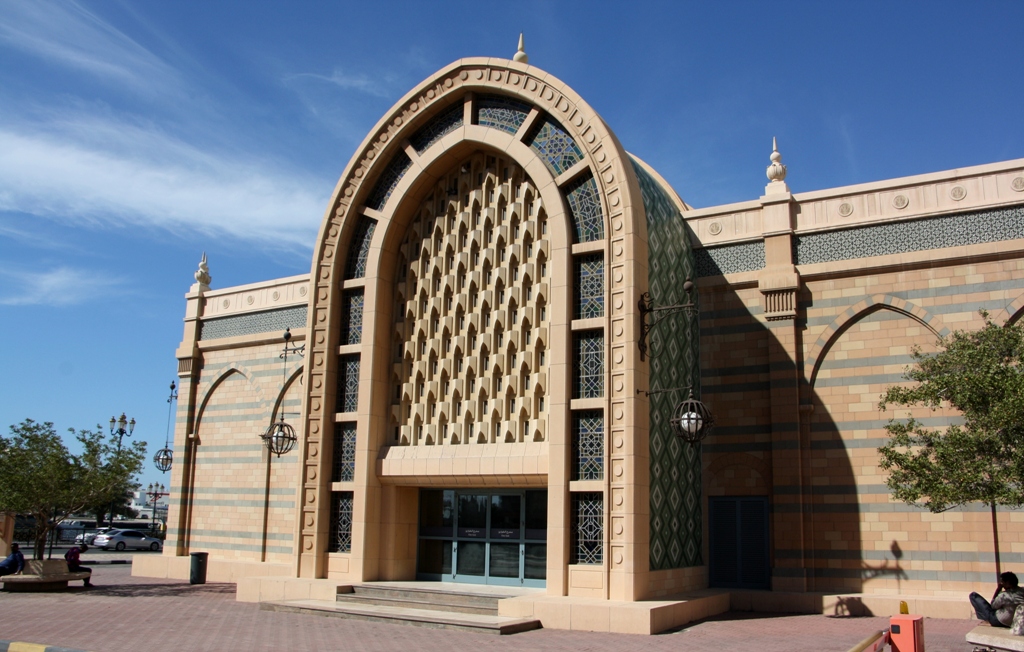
483 537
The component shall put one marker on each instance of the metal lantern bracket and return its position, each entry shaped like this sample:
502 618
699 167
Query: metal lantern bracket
280 437
651 315
164 457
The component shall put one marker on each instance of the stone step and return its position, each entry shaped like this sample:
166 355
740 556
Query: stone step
414 603
443 599
406 616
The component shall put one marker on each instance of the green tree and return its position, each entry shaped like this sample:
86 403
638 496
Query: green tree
122 506
40 477
979 374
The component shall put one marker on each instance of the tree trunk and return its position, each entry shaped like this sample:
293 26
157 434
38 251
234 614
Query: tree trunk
995 539
39 548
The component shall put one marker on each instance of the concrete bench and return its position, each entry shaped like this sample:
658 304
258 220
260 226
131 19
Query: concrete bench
42 575
985 637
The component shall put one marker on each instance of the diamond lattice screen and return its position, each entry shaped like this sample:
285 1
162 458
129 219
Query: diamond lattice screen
471 320
674 358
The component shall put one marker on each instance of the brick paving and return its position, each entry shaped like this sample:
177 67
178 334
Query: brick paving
125 612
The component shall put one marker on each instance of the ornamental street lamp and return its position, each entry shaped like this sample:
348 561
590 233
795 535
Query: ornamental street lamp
155 492
120 427
165 456
280 437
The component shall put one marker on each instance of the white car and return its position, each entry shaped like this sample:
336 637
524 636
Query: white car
121 539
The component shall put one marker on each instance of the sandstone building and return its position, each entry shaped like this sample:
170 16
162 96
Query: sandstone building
472 404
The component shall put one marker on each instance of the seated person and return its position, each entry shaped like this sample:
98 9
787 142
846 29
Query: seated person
74 560
14 563
1007 598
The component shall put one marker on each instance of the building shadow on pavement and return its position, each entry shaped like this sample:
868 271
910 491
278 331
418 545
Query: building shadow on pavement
176 589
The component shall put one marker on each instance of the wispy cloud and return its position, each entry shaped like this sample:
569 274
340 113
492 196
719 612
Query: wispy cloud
375 86
98 171
67 34
60 286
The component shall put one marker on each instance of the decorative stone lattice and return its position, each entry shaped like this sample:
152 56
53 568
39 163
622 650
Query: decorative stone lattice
730 259
920 235
501 112
587 528
344 452
359 250
436 129
589 286
585 206
469 355
348 384
588 445
352 319
392 174
340 538
251 323
588 364
555 147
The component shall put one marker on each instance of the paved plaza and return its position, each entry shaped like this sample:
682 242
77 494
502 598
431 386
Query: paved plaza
125 612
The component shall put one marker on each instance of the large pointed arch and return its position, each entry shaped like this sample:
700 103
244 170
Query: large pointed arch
854 313
370 212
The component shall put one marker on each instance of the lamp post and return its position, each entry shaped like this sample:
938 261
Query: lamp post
155 492
120 428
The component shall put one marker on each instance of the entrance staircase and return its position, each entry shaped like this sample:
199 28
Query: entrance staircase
423 604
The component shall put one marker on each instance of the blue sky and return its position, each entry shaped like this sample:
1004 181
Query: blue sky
135 136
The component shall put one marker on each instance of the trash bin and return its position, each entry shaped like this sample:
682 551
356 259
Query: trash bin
197 569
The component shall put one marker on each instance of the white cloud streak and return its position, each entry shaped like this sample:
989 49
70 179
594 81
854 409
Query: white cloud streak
141 176
67 34
61 286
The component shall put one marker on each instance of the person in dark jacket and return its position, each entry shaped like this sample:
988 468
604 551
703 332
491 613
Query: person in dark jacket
74 559
1008 596
14 563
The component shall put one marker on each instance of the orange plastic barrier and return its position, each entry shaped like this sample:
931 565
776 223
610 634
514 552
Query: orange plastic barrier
906 633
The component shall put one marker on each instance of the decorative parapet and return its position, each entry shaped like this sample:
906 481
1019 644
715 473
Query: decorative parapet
962 190
256 297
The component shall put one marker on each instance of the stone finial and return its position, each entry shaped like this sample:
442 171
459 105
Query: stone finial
520 54
203 273
776 171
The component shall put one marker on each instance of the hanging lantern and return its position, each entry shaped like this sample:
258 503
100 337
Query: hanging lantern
163 459
279 437
692 420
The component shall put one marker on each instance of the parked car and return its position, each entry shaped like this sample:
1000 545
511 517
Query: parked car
121 539
89 538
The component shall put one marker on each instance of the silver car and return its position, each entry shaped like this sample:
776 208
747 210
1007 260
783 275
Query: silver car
121 539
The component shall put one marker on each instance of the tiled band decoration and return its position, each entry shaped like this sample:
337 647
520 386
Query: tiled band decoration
359 248
469 356
588 445
730 259
585 206
348 383
501 112
587 528
352 317
554 146
447 122
344 452
674 466
900 237
267 321
389 178
340 535
588 286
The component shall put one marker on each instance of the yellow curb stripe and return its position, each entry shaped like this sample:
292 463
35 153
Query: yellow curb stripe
25 647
